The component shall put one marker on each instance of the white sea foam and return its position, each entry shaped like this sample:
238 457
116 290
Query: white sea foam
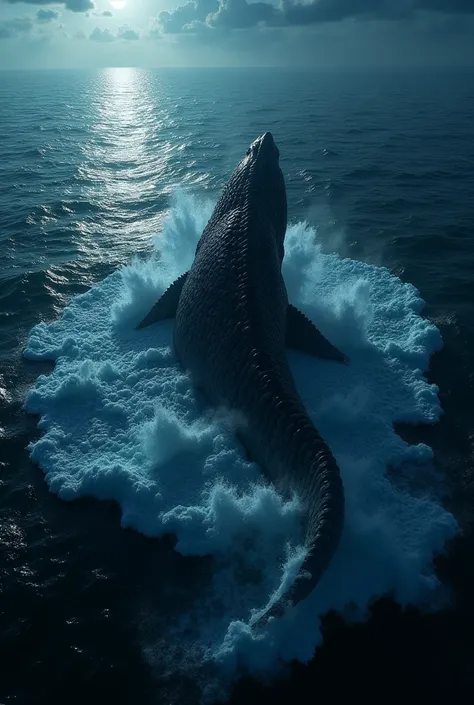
121 422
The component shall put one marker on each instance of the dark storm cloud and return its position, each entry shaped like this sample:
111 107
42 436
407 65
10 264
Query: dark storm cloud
73 5
320 11
177 20
238 14
448 6
47 15
332 10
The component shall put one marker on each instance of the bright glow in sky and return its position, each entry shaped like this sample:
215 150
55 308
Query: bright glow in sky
319 33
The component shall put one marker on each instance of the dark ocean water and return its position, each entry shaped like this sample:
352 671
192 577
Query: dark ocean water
381 166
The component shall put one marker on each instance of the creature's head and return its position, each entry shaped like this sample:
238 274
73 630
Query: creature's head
262 163
257 183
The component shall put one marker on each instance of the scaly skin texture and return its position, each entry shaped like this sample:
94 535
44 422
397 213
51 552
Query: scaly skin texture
230 334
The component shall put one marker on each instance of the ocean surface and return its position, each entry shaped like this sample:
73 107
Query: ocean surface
136 539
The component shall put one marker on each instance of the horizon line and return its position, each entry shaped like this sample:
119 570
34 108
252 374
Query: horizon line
394 67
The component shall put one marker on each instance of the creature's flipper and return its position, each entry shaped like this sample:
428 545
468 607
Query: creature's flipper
302 335
166 305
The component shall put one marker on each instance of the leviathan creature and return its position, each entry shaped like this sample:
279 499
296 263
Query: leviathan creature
233 325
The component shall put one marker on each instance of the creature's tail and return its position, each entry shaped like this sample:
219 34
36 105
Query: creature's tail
318 483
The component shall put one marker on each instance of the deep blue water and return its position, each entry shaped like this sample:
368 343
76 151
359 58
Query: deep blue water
381 165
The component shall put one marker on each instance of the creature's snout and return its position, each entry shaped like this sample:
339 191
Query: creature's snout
264 146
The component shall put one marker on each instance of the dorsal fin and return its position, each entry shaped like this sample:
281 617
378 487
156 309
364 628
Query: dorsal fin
166 305
302 335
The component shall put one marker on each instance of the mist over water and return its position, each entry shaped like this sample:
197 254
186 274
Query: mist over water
102 202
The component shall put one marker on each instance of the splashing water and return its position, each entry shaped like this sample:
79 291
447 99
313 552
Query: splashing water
121 421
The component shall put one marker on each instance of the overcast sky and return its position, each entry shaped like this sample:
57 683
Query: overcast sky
319 33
